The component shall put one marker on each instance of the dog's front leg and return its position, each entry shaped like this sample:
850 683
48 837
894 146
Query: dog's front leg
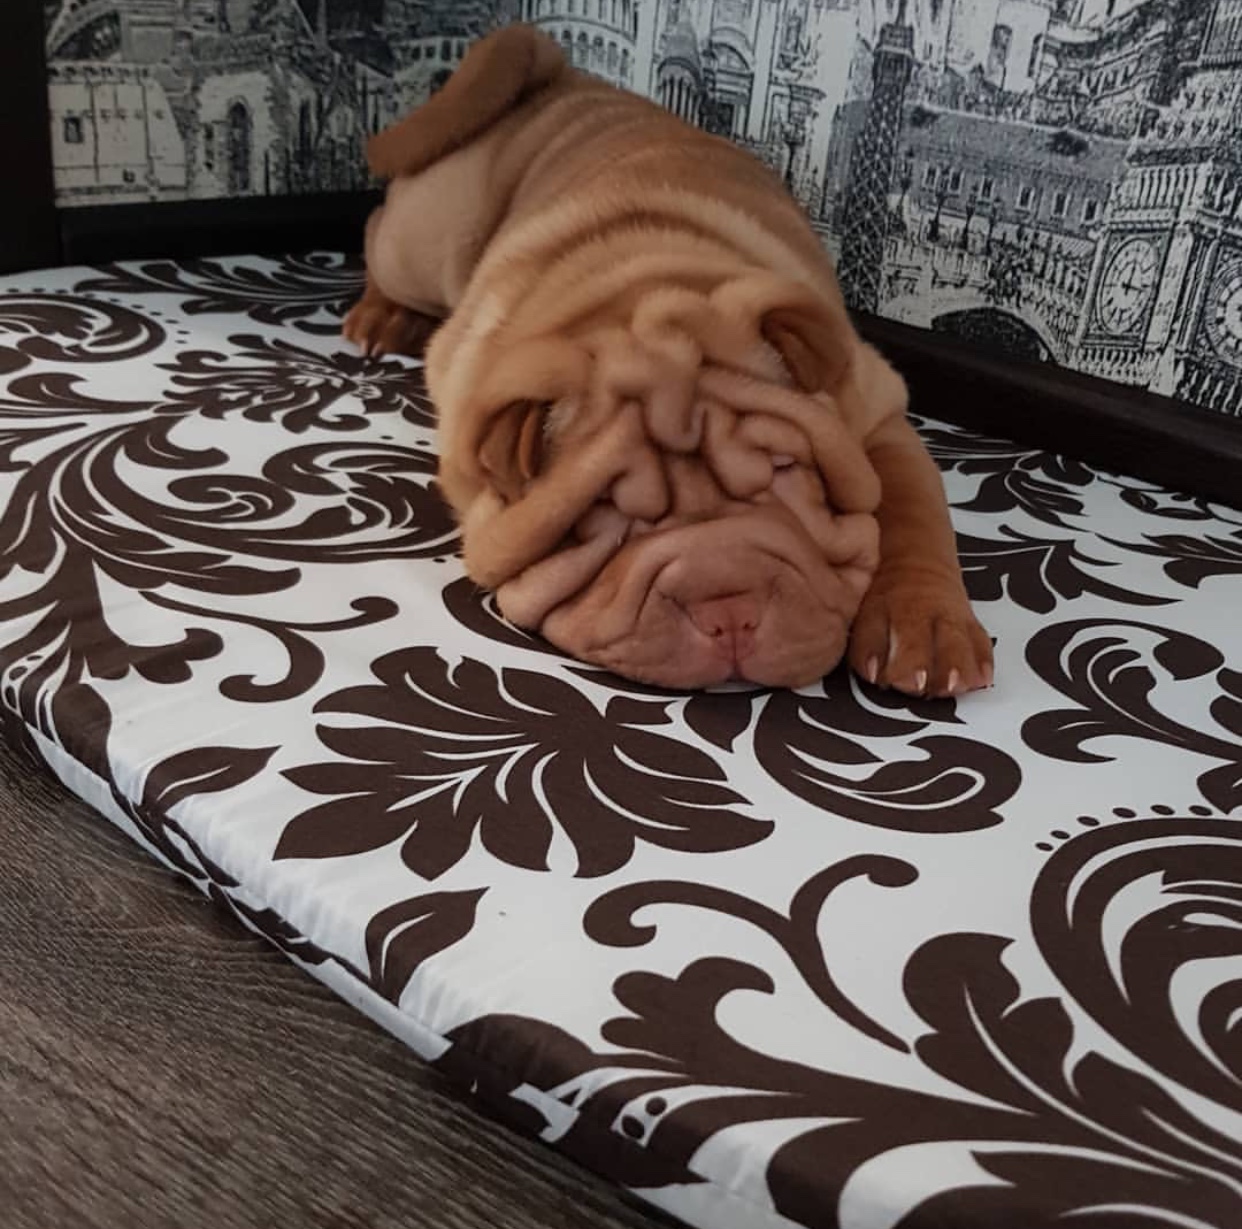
916 631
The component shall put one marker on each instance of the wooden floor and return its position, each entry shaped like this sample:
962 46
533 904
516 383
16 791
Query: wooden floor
161 1067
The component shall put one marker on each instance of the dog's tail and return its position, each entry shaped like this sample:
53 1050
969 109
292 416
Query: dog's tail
495 74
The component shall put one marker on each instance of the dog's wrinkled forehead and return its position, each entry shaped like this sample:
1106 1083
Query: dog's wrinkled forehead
672 336
734 383
684 418
693 384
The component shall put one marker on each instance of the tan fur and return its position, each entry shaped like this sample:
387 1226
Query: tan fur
659 428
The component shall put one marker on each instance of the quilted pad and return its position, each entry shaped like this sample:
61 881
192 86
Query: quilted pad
822 958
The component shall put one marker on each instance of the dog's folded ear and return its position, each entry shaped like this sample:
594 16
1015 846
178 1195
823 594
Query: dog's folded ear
809 342
497 73
812 334
511 452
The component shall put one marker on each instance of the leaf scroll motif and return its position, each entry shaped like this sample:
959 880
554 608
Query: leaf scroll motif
201 770
75 518
1056 1131
273 380
173 780
1046 487
958 785
402 936
1092 1136
189 774
310 293
357 500
68 329
475 609
1153 899
306 659
610 921
1102 666
1168 505
1190 559
1036 572
497 1056
522 759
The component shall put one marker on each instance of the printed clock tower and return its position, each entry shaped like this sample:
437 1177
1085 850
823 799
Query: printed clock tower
1165 299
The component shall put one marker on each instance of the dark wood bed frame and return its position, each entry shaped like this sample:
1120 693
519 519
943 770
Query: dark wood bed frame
1116 427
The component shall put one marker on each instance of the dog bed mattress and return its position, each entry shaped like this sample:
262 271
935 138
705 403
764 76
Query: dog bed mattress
832 957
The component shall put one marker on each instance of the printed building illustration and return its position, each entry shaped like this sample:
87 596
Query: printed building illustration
175 99
1058 178
1063 189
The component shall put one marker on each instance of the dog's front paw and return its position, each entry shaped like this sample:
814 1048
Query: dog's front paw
919 635
378 326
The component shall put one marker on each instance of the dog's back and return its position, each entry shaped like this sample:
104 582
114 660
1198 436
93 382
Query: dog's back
526 157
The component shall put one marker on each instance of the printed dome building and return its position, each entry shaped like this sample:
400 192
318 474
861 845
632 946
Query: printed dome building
598 35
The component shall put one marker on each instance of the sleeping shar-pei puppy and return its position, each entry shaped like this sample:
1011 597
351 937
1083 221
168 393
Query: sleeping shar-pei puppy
668 449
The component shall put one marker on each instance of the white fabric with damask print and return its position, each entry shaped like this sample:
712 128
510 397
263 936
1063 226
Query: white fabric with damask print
767 959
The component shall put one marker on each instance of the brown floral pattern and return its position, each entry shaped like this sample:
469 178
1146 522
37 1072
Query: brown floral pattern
1042 1124
511 756
832 957
310 293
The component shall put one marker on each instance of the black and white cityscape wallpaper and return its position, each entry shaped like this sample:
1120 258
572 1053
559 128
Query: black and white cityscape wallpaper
1061 179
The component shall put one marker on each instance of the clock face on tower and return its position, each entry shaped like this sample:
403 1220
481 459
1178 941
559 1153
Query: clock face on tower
1128 286
1222 316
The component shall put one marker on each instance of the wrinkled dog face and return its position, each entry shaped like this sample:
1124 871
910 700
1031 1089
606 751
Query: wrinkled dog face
685 512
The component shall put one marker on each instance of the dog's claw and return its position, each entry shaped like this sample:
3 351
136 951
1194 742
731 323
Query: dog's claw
920 642
379 327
